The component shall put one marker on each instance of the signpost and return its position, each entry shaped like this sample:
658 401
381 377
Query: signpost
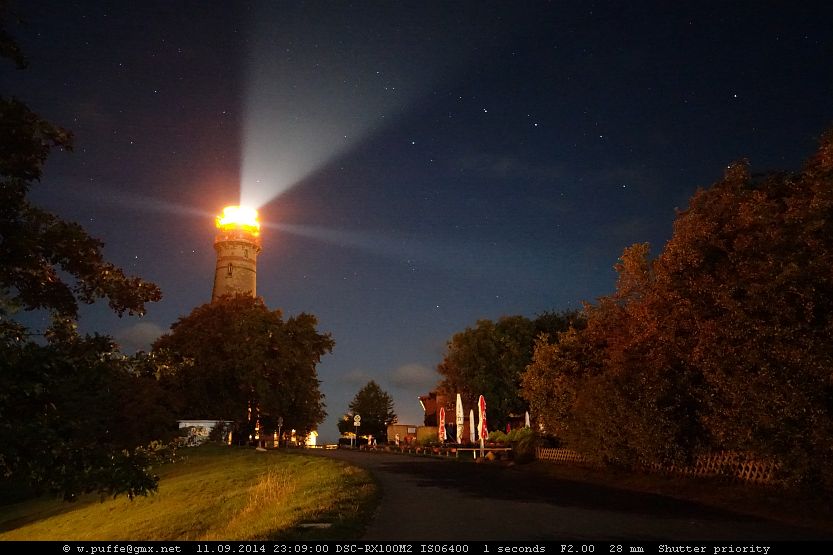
280 425
357 421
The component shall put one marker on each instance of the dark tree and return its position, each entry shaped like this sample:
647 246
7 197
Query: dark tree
610 389
74 412
490 358
721 343
45 262
375 406
235 353
746 286
59 401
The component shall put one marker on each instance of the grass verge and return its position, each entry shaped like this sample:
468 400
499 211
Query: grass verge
214 493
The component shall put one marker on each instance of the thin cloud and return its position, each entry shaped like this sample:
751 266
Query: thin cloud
356 378
138 337
509 167
414 377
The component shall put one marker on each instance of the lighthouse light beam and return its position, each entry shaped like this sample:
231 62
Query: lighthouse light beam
305 106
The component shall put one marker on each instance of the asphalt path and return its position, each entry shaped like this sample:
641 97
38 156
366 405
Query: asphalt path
426 498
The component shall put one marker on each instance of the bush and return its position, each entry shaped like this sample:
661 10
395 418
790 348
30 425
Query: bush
219 433
519 433
427 439
498 437
523 441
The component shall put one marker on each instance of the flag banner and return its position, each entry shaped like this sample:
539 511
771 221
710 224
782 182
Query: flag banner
484 430
459 418
441 425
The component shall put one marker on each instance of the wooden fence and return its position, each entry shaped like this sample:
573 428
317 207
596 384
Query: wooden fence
559 455
736 466
732 465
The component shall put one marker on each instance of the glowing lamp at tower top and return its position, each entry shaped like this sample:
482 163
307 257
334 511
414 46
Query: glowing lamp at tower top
239 217
237 244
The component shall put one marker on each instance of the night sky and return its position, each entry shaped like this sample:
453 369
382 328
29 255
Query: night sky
419 166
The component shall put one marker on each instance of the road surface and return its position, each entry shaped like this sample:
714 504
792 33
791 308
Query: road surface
426 498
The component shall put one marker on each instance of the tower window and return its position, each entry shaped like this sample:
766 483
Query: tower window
229 268
246 253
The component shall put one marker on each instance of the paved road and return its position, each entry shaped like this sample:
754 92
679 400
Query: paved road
433 499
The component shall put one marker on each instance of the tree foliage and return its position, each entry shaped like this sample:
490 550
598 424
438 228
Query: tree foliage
489 358
235 353
749 271
46 262
720 343
74 415
62 403
375 406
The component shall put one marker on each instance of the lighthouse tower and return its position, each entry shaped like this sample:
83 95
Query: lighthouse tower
237 245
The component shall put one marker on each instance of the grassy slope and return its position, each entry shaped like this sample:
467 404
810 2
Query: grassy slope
216 493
